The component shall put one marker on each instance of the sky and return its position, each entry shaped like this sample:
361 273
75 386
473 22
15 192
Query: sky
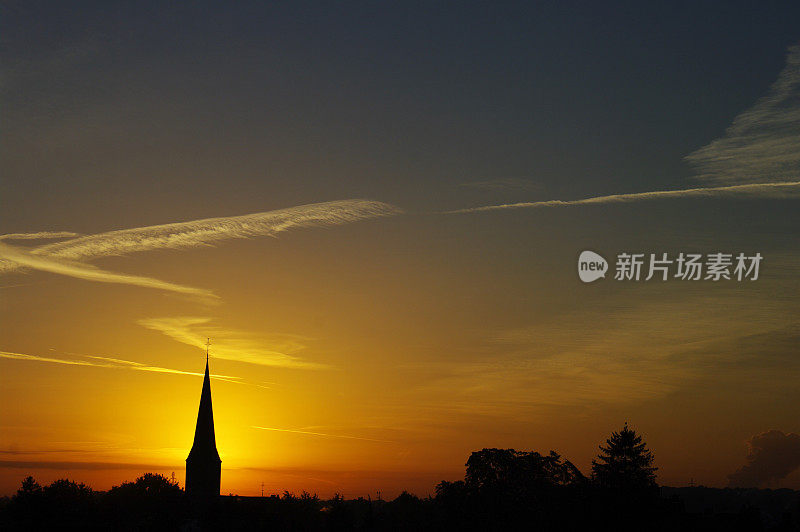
375 211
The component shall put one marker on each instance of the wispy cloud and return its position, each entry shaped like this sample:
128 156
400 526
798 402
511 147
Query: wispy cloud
589 358
88 272
41 235
273 429
762 142
761 190
757 156
36 358
210 230
277 350
65 258
110 363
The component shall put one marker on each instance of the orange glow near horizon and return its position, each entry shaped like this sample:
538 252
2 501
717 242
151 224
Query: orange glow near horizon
376 218
381 393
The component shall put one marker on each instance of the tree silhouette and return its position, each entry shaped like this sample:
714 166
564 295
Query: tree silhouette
29 488
511 470
625 463
505 490
151 502
150 485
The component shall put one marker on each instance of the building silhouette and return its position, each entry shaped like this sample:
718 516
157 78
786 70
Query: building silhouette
203 466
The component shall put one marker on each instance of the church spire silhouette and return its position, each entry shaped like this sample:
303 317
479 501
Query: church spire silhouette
203 466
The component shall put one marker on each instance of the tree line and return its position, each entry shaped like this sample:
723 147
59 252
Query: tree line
502 489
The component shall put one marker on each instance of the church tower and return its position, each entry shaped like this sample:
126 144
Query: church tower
203 465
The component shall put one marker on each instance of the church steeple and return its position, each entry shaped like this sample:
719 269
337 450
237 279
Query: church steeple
203 466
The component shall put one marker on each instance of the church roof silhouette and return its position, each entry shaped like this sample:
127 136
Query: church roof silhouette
203 465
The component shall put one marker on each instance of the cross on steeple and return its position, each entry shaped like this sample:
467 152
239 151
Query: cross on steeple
208 344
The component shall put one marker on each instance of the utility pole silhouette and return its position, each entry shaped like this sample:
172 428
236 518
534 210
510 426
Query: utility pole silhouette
262 489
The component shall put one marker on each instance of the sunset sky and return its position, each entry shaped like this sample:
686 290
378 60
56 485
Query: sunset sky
306 183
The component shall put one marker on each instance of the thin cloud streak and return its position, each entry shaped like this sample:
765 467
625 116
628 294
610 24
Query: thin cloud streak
111 363
64 257
41 235
759 190
272 429
138 366
88 272
207 231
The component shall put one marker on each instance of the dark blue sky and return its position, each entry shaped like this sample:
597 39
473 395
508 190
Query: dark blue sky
300 102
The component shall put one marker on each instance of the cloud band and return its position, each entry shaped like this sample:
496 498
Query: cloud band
763 190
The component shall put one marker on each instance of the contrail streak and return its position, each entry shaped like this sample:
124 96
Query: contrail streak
207 231
41 235
112 363
92 273
65 257
320 434
762 190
